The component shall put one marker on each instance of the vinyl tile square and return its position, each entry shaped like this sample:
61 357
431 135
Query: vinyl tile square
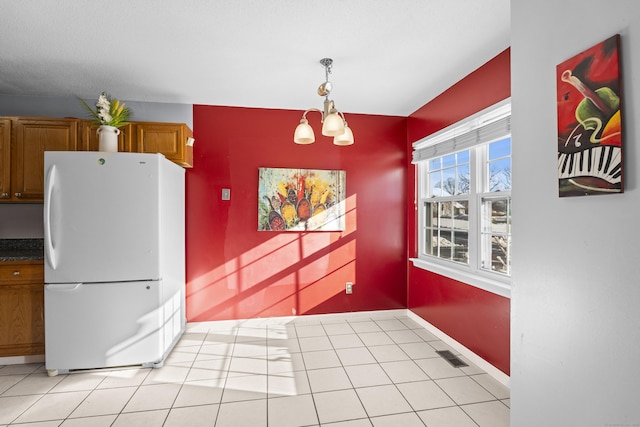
419 350
285 362
78 381
180 358
8 381
292 411
451 416
247 366
255 349
388 353
338 328
488 414
26 369
104 402
367 375
404 371
142 419
247 387
251 334
125 378
375 338
54 406
34 384
409 419
248 413
152 397
99 421
365 326
12 406
424 395
355 356
195 393
492 385
346 341
464 390
437 367
168 374
193 416
288 384
339 405
321 359
288 345
382 400
404 336
305 331
328 379
315 343
391 324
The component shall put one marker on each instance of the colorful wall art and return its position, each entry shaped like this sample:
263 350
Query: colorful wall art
301 199
589 122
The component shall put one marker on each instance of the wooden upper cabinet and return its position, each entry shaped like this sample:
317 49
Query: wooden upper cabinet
174 140
31 138
5 159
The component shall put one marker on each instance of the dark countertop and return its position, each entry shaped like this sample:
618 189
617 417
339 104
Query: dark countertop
21 250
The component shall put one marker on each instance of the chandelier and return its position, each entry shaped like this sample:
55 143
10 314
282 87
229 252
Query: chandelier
333 121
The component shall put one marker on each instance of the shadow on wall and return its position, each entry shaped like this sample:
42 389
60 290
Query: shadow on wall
292 272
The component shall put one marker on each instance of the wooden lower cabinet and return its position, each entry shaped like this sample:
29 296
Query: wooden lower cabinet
21 308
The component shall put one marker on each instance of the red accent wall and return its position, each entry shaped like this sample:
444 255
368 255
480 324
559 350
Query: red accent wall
237 272
477 319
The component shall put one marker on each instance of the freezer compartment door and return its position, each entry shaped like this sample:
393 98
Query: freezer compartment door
103 325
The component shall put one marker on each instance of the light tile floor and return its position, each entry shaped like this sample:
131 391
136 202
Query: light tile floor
341 371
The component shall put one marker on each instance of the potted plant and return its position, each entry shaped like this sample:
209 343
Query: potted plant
109 115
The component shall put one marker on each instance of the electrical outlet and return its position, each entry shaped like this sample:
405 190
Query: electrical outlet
226 194
349 288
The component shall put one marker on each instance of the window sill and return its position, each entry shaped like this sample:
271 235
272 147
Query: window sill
488 284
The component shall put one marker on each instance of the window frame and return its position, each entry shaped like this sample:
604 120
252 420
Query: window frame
445 142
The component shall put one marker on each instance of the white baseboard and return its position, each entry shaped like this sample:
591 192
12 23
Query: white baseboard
464 351
21 360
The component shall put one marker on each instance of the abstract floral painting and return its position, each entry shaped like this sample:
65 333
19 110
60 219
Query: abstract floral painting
301 199
590 122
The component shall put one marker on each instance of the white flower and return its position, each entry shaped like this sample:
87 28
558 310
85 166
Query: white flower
103 103
105 116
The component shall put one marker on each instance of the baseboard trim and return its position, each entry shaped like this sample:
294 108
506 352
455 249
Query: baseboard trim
21 360
464 351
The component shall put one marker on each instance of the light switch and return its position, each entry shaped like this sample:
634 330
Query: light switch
226 194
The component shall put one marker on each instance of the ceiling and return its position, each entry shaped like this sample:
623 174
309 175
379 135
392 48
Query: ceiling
390 57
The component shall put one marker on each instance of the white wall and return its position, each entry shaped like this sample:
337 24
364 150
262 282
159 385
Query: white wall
576 271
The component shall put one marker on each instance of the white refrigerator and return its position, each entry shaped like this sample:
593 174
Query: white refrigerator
114 259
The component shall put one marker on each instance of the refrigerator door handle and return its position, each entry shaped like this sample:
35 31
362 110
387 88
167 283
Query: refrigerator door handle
49 249
70 287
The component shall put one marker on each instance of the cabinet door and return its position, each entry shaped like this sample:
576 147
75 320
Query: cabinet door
21 309
169 139
5 159
89 137
32 137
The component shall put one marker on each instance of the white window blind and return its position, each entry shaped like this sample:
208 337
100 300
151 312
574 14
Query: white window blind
484 127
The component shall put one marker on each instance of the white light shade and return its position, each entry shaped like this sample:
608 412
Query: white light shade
345 139
333 125
304 133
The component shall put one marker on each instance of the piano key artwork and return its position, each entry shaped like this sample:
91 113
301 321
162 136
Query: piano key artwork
590 149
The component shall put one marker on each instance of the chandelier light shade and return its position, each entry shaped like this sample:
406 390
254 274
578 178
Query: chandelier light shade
333 122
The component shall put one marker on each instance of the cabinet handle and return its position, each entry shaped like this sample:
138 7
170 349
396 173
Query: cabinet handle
18 194
16 273
4 195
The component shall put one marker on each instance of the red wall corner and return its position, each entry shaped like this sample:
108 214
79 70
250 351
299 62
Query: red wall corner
477 319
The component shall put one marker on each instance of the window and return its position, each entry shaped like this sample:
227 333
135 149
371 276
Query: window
464 200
